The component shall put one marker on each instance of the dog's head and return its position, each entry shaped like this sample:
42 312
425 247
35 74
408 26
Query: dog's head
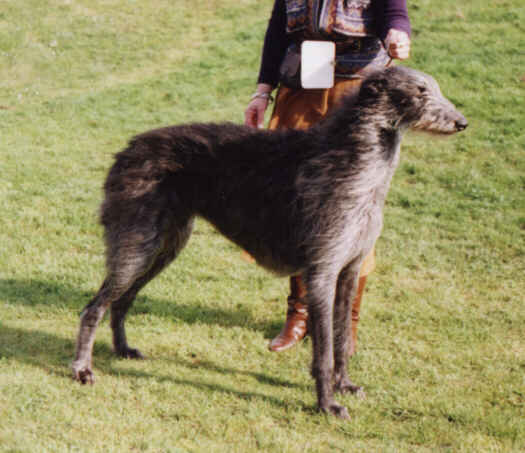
416 99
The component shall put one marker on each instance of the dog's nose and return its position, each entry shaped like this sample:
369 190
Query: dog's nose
461 124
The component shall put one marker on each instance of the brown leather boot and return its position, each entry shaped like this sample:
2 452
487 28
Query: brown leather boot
295 327
356 307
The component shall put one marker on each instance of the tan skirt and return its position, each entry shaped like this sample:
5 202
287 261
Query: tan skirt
299 109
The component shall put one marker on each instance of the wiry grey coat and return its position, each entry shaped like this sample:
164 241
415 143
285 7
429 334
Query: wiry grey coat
307 202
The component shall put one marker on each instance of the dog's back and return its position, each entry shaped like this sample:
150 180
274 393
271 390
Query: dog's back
274 192
238 178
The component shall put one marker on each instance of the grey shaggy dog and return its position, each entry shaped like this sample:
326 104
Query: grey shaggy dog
300 202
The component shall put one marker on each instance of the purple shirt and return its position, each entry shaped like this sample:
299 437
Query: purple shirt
391 14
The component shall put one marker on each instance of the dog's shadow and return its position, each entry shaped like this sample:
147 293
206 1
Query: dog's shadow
54 353
46 293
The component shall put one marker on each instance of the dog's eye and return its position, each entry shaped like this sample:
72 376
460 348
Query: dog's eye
422 89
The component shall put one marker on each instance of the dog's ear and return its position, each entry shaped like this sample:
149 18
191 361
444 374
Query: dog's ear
374 86
405 98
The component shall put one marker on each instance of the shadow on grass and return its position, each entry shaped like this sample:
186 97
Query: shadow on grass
53 354
47 293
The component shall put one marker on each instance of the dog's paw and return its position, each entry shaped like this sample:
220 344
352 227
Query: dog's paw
130 353
347 386
337 410
83 374
356 390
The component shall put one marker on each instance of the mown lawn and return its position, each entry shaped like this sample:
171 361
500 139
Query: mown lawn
442 339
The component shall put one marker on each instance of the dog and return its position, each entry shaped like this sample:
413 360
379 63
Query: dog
299 202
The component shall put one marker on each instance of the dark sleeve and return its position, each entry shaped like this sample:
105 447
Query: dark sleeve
392 14
276 42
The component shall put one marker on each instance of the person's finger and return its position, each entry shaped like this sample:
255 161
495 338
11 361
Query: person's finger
250 116
398 44
254 114
400 53
260 116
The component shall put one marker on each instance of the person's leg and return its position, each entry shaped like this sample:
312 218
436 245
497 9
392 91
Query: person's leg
356 308
295 109
299 109
294 328
367 267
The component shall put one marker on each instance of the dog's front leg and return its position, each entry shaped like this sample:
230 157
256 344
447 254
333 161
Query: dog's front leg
347 283
320 297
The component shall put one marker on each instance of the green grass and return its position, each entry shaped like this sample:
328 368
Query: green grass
442 342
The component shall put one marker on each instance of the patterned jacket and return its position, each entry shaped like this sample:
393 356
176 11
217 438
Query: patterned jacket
357 26
329 18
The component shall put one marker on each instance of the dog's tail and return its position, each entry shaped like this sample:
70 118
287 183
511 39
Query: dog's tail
158 163
133 184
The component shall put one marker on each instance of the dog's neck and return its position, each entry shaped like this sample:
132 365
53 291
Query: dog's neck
368 121
364 128
372 138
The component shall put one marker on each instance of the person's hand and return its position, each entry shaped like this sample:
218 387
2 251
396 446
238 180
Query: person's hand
254 113
397 43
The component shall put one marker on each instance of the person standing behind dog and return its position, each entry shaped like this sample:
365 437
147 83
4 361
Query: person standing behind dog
367 34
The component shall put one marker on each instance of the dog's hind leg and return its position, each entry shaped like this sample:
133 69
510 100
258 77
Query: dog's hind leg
120 307
346 289
131 264
174 244
320 297
89 319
